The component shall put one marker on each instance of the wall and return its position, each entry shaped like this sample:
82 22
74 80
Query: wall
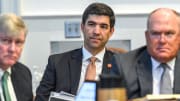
45 20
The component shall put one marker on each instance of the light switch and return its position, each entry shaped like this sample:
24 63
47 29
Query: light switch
72 29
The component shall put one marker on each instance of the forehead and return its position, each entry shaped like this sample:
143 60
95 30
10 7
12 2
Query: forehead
164 19
98 19
20 35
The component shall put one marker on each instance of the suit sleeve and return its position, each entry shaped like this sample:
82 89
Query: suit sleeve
47 83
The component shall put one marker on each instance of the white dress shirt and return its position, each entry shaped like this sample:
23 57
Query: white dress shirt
85 62
10 86
157 73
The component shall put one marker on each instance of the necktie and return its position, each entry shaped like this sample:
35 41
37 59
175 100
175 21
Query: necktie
165 83
91 69
5 86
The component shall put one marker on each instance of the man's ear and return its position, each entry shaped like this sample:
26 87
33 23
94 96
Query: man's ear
146 33
111 31
82 27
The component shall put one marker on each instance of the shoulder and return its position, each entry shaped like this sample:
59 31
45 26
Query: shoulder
116 50
20 69
20 66
126 62
135 53
132 55
67 55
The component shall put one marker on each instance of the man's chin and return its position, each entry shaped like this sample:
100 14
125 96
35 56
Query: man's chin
164 58
10 63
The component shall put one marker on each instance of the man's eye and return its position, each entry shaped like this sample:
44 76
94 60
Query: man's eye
6 41
19 42
91 24
169 33
155 33
104 26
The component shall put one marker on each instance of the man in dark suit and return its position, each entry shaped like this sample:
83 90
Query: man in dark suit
141 69
67 71
15 78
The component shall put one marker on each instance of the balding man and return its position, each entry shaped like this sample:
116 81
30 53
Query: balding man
154 68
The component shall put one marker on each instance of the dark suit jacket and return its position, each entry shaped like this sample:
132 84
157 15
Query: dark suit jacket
63 73
136 70
22 82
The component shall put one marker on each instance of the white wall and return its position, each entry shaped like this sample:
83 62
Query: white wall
45 20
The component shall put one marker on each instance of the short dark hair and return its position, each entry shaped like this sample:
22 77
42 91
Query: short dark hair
99 9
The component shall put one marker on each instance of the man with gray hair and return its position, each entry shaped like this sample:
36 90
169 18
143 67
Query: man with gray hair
15 78
154 68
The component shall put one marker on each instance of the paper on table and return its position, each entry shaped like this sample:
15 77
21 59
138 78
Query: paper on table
167 97
162 97
62 96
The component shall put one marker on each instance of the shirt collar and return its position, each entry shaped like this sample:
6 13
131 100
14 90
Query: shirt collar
155 63
9 70
2 71
87 54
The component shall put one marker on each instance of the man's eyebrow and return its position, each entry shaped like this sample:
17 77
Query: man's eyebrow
91 21
97 23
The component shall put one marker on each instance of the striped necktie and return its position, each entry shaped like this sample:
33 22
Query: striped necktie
91 69
5 86
165 83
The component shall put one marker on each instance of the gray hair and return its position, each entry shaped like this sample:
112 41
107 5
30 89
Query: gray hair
12 25
168 10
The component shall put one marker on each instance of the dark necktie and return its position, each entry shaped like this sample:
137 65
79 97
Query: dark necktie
165 83
5 86
91 69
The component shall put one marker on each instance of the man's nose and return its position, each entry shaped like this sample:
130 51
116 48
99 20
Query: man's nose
97 29
12 46
163 38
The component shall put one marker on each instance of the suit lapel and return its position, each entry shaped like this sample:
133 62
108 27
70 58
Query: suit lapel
144 73
75 70
15 82
177 75
106 61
